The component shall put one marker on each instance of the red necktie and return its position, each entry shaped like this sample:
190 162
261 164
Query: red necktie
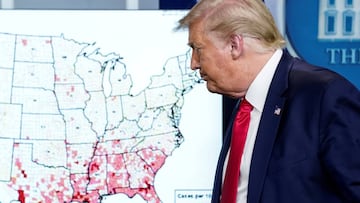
239 132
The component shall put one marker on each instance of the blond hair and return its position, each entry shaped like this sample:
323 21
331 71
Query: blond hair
249 18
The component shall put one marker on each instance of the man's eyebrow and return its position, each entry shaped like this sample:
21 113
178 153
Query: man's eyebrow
194 45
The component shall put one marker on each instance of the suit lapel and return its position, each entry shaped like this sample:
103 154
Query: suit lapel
268 128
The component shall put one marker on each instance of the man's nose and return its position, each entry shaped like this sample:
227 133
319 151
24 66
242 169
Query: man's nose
194 62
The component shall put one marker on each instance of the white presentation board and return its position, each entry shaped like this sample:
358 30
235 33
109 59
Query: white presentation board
102 106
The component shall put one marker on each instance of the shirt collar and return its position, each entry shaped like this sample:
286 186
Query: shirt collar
258 89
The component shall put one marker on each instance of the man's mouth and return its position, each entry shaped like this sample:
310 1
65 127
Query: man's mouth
203 76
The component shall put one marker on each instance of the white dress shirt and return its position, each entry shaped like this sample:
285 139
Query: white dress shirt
256 96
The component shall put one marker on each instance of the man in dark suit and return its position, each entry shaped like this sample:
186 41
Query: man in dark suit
303 140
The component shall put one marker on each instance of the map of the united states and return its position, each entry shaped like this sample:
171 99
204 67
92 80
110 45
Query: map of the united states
70 128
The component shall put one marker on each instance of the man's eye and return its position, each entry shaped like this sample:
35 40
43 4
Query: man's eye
197 50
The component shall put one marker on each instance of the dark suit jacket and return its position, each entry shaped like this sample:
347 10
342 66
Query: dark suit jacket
311 151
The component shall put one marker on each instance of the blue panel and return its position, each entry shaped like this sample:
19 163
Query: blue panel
348 24
349 2
331 24
339 52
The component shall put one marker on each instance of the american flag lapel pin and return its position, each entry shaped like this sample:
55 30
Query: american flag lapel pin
277 111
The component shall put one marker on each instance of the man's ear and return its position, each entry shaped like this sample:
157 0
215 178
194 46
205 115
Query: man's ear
236 42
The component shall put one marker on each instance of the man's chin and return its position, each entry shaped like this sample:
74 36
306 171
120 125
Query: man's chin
216 90
212 88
